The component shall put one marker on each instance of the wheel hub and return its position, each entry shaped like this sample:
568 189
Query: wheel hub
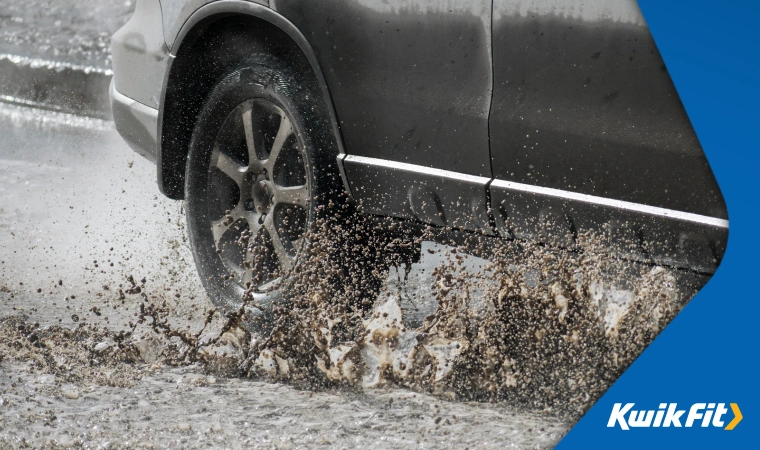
262 194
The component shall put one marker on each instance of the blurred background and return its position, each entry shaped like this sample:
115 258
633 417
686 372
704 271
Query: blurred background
54 54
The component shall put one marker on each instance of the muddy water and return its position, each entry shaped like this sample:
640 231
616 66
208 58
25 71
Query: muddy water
533 326
103 340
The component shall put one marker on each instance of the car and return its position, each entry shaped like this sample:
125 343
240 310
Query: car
535 120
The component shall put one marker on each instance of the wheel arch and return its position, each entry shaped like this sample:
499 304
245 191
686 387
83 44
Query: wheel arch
211 40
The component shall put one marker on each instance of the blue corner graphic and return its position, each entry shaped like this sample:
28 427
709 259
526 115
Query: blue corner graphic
709 353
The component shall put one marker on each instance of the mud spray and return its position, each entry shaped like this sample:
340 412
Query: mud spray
535 326
541 328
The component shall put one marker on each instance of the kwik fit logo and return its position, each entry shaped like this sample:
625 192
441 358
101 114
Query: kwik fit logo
668 415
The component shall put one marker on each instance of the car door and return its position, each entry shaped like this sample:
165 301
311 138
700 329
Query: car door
411 84
587 132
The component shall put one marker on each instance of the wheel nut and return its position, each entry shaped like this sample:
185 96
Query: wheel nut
249 205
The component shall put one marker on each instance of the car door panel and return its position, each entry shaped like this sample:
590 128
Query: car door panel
583 102
411 84
587 132
580 221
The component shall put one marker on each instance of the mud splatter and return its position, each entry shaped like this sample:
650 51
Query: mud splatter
536 326
170 378
532 325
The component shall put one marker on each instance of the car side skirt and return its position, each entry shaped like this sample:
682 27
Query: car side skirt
636 231
556 217
433 196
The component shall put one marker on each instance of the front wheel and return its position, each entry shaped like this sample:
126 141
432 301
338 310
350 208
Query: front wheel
261 161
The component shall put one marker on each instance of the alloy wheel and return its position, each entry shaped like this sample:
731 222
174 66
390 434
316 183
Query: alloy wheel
259 194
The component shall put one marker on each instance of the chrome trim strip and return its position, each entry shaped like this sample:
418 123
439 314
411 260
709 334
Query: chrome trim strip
416 169
602 201
557 193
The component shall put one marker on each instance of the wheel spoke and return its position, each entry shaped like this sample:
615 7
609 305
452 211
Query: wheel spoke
296 195
248 126
283 255
227 165
260 196
220 227
283 133
254 163
254 222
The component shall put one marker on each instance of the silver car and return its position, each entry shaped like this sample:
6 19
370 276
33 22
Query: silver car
520 119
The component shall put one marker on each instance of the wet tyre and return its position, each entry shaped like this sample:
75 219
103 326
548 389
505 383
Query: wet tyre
261 161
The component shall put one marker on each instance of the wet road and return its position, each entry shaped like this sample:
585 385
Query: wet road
79 212
77 205
181 408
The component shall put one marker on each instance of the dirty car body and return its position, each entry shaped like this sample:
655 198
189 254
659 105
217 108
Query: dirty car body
535 120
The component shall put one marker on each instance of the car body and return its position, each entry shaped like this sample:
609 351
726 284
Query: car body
527 119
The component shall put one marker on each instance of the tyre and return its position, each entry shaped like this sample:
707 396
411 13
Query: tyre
261 161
